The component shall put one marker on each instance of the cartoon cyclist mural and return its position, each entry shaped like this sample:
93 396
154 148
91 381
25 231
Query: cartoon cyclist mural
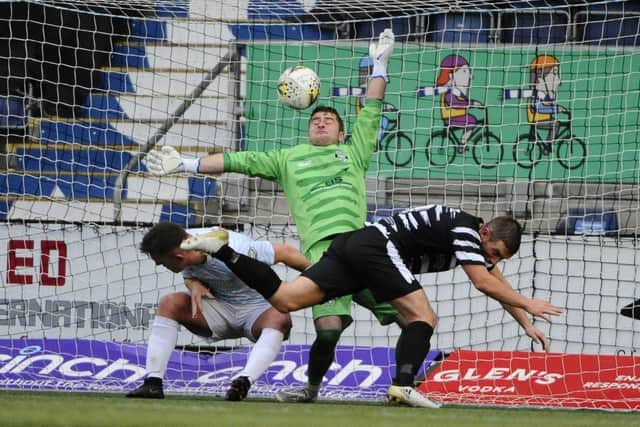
462 130
548 132
541 106
455 75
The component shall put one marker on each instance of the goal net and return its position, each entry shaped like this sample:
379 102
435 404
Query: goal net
527 108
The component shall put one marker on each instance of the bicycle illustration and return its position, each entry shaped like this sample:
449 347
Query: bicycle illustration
571 151
445 144
396 145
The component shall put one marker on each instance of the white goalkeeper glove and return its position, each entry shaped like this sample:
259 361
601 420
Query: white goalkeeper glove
380 53
168 161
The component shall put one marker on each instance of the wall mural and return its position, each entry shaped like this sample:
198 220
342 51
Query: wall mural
482 114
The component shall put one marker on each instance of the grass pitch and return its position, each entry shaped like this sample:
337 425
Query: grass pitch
114 410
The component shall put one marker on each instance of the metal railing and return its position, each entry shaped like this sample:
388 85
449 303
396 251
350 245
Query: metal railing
230 59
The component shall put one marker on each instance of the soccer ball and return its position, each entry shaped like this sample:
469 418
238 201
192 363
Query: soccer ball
298 87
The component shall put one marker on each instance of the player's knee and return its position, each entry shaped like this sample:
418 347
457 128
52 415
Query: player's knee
172 305
327 338
429 318
286 328
273 319
283 324
421 316
433 321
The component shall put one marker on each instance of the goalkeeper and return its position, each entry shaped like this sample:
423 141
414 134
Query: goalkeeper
384 257
219 306
324 183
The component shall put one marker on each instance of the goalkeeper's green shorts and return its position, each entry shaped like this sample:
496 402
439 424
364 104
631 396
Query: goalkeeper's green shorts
384 312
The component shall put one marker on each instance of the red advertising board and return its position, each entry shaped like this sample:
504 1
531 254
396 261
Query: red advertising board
536 379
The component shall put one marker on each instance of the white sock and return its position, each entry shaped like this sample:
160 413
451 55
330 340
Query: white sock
264 351
379 71
163 339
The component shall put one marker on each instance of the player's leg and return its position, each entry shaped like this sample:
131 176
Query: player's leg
284 296
378 264
387 313
330 319
413 344
334 278
173 310
384 311
412 348
267 327
328 328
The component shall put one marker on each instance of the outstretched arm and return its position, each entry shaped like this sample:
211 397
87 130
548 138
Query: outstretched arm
376 88
534 333
521 317
501 291
380 53
290 256
364 134
212 164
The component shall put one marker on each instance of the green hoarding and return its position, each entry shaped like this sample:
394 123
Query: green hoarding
562 114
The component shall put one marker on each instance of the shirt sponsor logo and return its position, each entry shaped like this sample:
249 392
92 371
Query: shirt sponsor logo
342 156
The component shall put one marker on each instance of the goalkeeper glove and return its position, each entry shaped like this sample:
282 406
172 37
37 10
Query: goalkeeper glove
168 161
380 53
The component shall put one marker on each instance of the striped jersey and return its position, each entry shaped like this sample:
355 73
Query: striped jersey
324 186
435 238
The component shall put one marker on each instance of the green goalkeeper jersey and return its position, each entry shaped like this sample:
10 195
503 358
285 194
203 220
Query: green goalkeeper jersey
324 186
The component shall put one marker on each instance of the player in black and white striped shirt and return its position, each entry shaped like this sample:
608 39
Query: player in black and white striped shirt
384 258
438 238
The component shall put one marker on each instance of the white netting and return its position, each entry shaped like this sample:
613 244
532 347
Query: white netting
86 85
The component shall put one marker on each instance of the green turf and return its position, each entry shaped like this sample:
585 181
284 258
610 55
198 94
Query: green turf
83 409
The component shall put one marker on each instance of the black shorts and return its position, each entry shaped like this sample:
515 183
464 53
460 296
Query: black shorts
363 259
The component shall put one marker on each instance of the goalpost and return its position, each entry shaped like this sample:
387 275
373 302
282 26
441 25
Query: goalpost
552 111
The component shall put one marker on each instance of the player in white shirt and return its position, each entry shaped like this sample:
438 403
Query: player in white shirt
219 305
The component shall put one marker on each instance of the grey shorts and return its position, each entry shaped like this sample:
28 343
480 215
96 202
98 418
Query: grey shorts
227 321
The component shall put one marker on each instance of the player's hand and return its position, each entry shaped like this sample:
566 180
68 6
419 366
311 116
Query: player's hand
380 52
198 291
164 161
543 309
538 336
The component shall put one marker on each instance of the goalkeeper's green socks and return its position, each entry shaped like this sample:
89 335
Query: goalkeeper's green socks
321 354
